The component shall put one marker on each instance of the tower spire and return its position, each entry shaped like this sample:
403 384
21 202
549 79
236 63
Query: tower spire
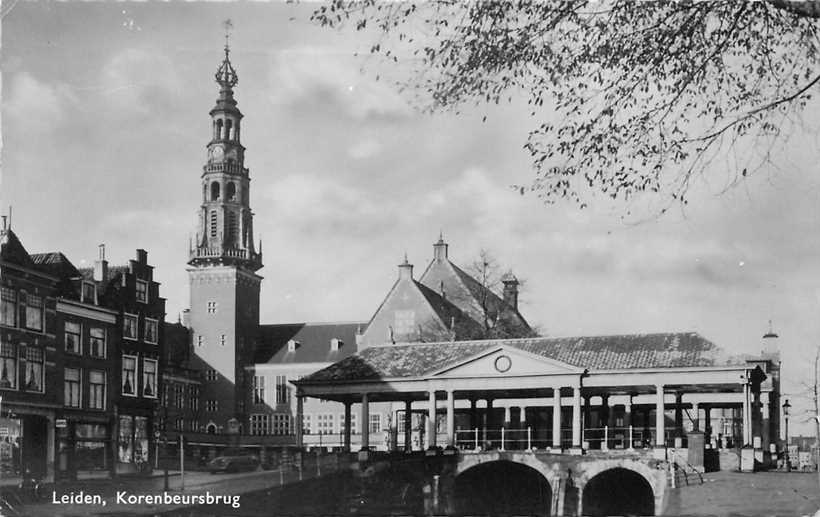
226 75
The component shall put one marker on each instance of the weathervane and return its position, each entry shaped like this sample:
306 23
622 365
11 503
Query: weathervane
227 25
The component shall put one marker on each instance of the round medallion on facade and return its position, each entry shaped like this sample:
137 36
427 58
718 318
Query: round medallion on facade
503 363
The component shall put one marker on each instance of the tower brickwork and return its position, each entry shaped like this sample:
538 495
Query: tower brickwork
224 285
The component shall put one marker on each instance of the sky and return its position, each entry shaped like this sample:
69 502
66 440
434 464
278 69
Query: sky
104 126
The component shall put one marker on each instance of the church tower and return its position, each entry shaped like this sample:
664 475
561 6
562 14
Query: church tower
224 312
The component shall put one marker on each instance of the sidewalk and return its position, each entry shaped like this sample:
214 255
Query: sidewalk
101 494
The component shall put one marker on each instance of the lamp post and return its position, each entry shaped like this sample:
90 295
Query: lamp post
786 407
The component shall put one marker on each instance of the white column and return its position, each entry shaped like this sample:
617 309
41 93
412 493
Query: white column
576 417
556 418
506 416
431 421
451 418
365 422
696 417
522 416
747 416
660 422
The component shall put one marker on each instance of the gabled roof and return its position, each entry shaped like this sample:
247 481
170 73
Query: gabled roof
113 272
56 264
313 342
624 352
12 250
445 309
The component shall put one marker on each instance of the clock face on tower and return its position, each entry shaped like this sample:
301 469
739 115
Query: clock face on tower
217 152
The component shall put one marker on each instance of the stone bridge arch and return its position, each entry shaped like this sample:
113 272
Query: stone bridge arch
550 472
655 478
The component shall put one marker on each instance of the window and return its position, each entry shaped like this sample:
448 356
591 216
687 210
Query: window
35 360
375 423
281 423
193 397
211 307
282 393
149 378
151 330
178 424
260 424
200 341
8 307
96 389
324 423
258 390
179 396
8 366
34 312
222 340
400 422
142 291
89 293
211 405
306 424
353 422
211 375
404 322
129 375
72 337
213 221
129 326
71 395
96 342
292 345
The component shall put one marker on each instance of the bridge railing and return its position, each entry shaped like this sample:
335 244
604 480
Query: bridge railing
625 437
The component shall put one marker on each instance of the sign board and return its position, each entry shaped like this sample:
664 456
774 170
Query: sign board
61 423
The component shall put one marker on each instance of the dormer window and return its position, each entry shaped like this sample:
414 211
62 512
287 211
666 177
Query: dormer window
89 293
292 345
335 344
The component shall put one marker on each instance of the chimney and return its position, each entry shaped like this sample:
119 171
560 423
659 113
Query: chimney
771 345
440 249
101 266
142 256
510 290
405 269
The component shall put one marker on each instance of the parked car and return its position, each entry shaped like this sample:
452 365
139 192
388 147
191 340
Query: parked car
233 463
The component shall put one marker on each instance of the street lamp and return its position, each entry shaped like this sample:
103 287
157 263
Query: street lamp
786 407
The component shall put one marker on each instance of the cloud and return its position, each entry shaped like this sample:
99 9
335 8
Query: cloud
316 76
139 81
34 106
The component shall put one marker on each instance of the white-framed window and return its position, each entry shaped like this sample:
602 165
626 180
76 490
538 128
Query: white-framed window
211 405
73 334
258 389
129 375
34 369
282 391
307 424
96 342
281 423
8 307
34 312
142 291
375 423
400 422
354 429
404 322
211 307
129 326
149 378
89 293
72 387
260 424
8 366
324 423
96 389
211 374
151 330
292 345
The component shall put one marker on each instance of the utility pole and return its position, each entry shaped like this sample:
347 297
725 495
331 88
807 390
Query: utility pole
181 463
817 412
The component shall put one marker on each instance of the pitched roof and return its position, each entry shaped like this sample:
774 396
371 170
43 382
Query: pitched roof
56 264
113 271
624 352
314 342
12 250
